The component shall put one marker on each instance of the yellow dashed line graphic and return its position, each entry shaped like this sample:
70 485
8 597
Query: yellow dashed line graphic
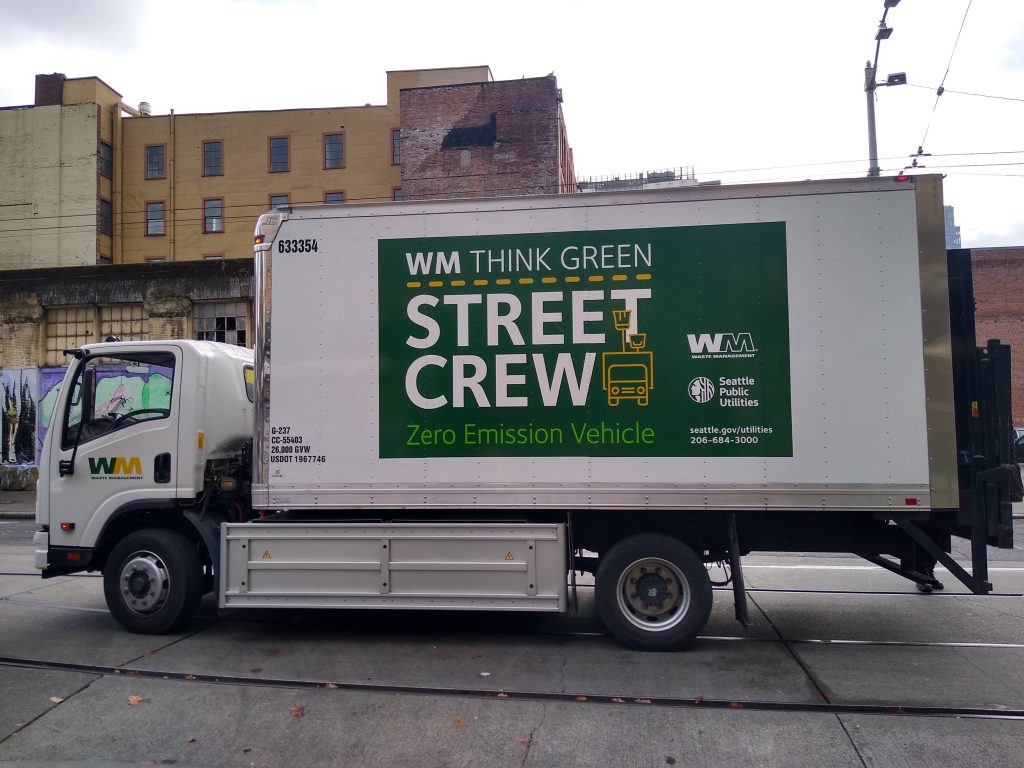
571 279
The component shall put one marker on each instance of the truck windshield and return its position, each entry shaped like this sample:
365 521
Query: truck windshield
114 392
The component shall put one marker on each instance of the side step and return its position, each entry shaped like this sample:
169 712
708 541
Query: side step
381 565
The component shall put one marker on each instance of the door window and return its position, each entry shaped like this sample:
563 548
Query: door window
114 392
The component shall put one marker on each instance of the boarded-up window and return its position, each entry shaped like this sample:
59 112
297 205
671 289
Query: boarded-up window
68 329
126 322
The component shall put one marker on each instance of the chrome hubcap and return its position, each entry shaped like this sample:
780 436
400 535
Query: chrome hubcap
144 582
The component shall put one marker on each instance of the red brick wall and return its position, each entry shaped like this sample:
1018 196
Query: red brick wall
999 309
519 156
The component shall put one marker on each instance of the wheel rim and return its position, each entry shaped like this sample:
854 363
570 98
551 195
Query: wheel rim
144 582
653 594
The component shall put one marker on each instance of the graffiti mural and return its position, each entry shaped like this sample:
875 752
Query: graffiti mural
18 429
49 388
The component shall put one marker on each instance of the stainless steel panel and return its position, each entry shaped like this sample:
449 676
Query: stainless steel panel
499 567
938 350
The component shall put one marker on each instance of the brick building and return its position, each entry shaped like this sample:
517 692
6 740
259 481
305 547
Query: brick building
87 179
999 309
487 139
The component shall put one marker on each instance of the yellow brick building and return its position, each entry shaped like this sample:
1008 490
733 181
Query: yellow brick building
86 179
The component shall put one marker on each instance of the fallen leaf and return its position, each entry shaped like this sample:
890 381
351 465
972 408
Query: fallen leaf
330 685
460 719
581 698
502 695
643 701
524 740
618 700
298 710
133 700
190 677
56 699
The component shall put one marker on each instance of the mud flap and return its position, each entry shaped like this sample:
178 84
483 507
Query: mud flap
739 589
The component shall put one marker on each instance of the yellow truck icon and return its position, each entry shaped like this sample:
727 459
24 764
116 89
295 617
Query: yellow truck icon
629 373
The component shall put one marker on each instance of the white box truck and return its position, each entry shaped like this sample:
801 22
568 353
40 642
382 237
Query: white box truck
461 404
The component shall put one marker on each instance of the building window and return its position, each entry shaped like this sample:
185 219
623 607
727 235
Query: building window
68 329
222 321
334 150
154 219
213 215
213 158
106 218
105 159
396 147
279 154
334 198
278 201
155 161
396 194
126 322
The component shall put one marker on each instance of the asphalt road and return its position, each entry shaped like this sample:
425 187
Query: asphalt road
844 665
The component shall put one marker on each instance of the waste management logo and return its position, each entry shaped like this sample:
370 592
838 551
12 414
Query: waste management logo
115 467
586 343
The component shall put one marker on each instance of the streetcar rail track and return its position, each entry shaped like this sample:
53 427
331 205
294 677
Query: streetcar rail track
581 698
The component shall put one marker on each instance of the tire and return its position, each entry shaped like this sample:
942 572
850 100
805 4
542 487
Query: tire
675 602
153 581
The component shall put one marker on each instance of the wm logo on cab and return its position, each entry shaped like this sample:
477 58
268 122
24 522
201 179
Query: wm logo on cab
115 466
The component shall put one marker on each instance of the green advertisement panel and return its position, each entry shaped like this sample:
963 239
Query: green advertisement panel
670 341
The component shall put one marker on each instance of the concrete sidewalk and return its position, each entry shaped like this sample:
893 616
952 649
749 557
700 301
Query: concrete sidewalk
17 505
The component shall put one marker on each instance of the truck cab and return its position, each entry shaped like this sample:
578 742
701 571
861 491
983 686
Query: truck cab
143 435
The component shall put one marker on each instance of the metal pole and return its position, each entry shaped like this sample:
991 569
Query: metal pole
869 89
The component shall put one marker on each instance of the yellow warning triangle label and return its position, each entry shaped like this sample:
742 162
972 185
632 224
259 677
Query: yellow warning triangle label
509 556
266 554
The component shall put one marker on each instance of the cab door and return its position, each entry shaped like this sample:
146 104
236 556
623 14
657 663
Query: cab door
117 441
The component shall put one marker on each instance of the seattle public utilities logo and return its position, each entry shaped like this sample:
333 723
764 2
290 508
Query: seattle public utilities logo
115 467
701 390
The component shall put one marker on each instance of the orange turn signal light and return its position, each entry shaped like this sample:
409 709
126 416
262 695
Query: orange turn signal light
67 527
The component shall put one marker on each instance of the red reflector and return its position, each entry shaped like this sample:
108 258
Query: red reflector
901 177
74 556
67 527
910 502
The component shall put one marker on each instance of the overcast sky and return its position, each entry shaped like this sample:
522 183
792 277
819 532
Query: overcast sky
741 90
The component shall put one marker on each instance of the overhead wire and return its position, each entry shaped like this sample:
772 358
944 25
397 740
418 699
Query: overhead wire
134 220
942 86
966 93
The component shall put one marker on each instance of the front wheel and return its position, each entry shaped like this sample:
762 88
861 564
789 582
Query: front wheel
653 592
153 581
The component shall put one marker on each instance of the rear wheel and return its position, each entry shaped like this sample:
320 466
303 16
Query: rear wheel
153 581
653 592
